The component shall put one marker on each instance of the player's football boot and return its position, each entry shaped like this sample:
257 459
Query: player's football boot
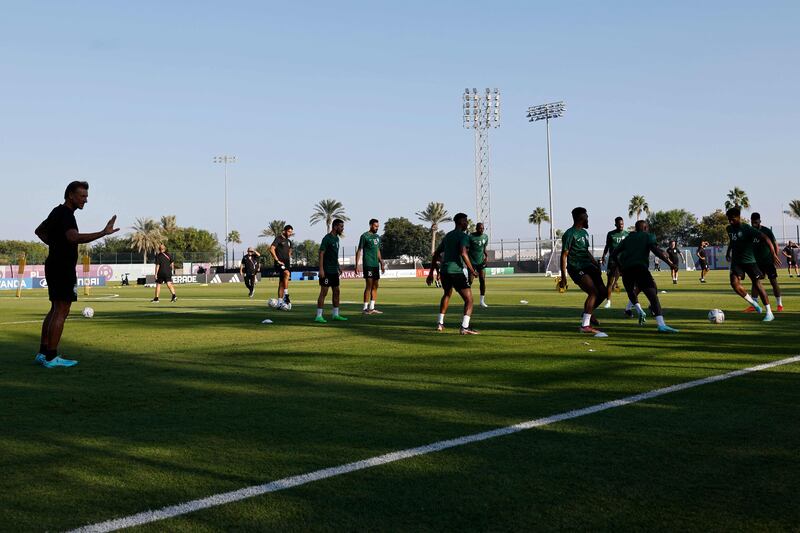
59 361
440 327
667 329
320 320
375 312
484 305
174 298
469 331
593 321
750 309
769 317
780 308
39 359
607 304
642 318
339 318
593 331
629 313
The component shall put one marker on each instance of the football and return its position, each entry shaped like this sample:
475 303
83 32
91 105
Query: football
87 312
716 316
272 302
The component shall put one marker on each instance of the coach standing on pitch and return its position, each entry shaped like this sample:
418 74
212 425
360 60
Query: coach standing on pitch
60 233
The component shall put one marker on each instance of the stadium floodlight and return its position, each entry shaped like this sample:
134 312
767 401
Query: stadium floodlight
225 159
546 112
482 112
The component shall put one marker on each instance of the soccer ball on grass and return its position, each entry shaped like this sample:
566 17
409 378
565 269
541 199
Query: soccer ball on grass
716 316
87 312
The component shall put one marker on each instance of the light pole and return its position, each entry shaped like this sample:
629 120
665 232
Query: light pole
546 112
481 112
225 159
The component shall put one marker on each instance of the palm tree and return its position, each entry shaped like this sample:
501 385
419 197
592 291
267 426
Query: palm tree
235 238
737 198
794 209
538 216
638 205
434 214
327 210
168 224
274 229
146 236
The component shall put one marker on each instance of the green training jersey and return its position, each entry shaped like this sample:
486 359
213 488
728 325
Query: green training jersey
452 262
577 242
614 237
330 245
741 240
477 246
634 250
762 251
370 245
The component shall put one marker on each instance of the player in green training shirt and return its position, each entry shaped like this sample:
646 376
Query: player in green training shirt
454 259
633 257
613 239
477 256
369 250
582 267
329 270
765 262
741 254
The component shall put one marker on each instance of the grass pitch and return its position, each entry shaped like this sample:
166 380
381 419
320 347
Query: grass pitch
172 402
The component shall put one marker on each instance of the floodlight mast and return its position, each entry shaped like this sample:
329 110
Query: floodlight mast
225 159
482 112
546 112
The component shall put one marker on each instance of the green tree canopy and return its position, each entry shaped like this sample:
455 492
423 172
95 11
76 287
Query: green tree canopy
712 229
676 224
307 252
403 237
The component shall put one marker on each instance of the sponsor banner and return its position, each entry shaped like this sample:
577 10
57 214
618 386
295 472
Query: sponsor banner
41 283
400 273
499 271
12 284
228 278
178 280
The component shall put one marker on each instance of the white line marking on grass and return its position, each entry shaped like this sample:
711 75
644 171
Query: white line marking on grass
302 479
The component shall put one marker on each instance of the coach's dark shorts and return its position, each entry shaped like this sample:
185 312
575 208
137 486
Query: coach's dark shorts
790 262
639 277
768 269
457 281
372 273
281 268
163 279
62 285
592 271
703 264
330 280
750 269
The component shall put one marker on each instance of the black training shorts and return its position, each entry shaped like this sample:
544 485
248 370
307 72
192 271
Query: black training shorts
612 269
750 269
372 273
592 271
768 269
703 264
330 280
639 277
61 286
457 281
161 279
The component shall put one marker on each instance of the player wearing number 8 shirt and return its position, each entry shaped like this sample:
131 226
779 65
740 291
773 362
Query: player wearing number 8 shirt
743 260
329 271
369 251
582 267
478 241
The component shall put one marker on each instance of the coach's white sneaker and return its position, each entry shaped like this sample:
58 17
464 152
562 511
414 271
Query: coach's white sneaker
607 305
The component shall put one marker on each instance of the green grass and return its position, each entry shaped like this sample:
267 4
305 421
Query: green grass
172 402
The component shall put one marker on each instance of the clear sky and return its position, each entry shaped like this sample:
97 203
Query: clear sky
361 101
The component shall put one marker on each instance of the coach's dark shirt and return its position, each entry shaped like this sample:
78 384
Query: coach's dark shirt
282 246
250 264
164 262
674 254
61 254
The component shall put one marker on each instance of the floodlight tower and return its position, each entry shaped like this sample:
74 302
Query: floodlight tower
546 112
482 112
225 159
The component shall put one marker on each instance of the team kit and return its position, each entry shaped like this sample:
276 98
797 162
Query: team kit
456 262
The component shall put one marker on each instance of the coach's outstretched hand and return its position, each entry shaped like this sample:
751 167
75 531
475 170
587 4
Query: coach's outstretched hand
109 229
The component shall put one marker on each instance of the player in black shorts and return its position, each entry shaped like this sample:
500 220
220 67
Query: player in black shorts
765 262
249 269
577 261
702 261
633 255
454 253
675 258
164 267
789 253
281 251
329 271
613 239
368 254
60 232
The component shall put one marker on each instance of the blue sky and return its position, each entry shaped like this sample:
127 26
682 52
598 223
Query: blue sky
361 101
